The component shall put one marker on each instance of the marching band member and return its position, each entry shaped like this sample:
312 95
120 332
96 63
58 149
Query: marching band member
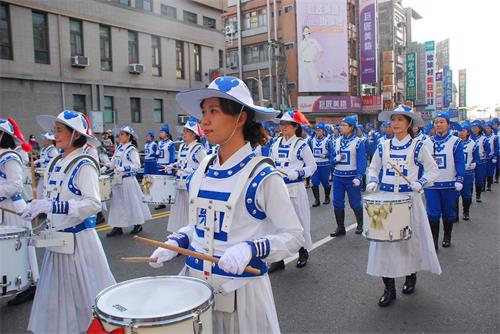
395 259
441 197
11 189
294 159
350 165
484 153
191 153
253 201
322 152
495 126
471 156
386 132
492 159
127 208
166 155
69 282
48 152
150 154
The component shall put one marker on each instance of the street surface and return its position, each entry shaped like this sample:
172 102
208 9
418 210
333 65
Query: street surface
333 293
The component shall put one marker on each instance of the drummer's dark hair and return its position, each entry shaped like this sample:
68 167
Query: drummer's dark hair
253 131
7 141
131 139
410 128
80 142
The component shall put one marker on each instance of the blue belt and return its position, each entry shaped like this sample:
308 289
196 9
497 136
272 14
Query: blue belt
403 188
197 264
86 224
323 163
441 185
345 173
13 198
128 175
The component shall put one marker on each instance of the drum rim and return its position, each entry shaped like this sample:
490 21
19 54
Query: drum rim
159 321
12 235
406 199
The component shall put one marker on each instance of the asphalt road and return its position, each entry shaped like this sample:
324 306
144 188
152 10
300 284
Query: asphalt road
333 293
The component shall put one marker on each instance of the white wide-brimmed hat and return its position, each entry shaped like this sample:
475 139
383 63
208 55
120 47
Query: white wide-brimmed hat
193 125
8 128
130 130
227 87
48 135
401 110
74 119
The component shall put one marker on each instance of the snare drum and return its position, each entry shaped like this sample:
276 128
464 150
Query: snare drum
387 217
154 305
158 189
105 187
15 272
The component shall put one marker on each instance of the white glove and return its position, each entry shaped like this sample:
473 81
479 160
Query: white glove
103 169
109 165
188 170
236 258
356 182
472 165
371 187
163 255
416 186
338 158
38 162
120 169
494 160
458 186
36 207
292 175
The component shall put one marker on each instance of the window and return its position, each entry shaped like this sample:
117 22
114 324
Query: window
144 4
135 108
76 37
158 110
231 25
288 8
197 62
288 46
232 59
105 44
79 103
190 17
156 54
221 59
169 11
41 37
133 48
179 59
5 37
255 54
108 116
124 2
209 22
255 19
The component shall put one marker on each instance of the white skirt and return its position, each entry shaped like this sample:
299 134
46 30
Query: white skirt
397 259
126 208
255 310
68 286
179 211
303 211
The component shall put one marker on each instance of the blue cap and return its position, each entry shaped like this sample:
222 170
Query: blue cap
428 128
465 126
321 126
442 114
495 120
477 123
151 134
165 128
455 126
489 124
351 120
386 123
369 124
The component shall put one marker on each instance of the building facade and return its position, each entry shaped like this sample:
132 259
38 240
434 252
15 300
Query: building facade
125 59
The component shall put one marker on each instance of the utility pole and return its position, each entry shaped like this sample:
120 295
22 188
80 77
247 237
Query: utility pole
238 17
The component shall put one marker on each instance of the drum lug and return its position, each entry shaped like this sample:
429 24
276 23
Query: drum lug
19 281
19 243
30 276
197 326
5 283
390 235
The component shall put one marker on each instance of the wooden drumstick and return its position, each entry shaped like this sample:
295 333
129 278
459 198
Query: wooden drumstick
282 172
139 259
33 186
401 174
10 211
188 252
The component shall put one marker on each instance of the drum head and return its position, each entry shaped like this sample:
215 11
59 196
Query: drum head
104 177
386 197
153 299
6 231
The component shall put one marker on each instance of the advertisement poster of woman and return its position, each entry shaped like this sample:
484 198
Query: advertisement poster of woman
322 46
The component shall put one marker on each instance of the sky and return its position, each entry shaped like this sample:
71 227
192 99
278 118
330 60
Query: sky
473 28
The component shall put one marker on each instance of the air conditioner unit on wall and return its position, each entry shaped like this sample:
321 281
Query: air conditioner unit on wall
182 119
136 68
79 61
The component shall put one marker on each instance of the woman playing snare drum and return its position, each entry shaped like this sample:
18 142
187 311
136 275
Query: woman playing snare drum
395 259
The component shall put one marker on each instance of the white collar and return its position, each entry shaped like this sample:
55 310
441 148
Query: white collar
402 142
289 141
237 156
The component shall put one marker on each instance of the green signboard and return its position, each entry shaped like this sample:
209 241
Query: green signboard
411 76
